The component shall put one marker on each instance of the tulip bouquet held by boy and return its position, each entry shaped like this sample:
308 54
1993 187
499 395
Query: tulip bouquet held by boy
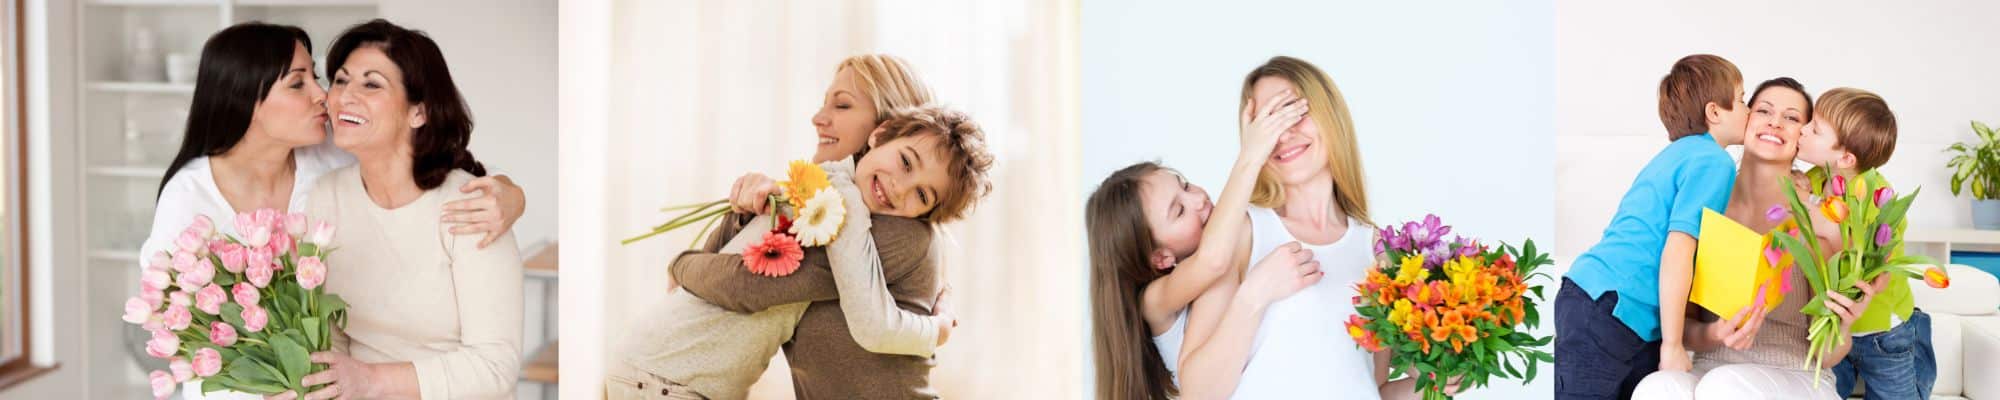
821 223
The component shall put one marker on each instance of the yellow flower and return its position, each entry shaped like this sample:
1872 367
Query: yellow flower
805 179
1412 271
819 219
1401 312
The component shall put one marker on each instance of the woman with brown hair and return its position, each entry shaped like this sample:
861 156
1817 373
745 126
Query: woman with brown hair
430 315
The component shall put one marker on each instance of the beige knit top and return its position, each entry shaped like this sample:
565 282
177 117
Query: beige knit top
1780 343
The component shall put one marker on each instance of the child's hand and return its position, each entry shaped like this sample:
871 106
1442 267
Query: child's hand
946 319
1264 121
752 194
1850 310
1674 357
1285 271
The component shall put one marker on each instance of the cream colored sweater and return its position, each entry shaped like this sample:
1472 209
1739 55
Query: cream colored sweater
417 293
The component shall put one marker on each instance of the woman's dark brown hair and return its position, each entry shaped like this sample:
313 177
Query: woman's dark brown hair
1128 364
440 145
238 67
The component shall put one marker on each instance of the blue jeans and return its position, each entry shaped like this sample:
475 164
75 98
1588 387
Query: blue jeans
1597 357
1898 364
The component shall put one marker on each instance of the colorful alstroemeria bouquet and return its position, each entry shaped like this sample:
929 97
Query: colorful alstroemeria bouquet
1870 221
1450 310
816 213
242 313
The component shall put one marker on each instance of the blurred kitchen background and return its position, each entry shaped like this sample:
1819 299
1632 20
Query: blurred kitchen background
109 82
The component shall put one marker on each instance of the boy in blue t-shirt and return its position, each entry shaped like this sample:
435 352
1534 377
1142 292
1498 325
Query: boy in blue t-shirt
1622 304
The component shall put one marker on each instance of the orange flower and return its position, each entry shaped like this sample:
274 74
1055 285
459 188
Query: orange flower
1454 329
1356 327
1834 208
1935 277
1513 310
805 179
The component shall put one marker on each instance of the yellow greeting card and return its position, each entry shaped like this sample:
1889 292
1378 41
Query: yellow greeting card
1729 267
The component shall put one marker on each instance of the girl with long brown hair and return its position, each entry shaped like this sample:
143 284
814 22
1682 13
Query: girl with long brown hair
1145 223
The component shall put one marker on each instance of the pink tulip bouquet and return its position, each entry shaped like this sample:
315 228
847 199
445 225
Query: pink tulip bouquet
241 312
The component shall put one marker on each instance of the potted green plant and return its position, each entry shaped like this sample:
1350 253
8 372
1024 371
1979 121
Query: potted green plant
1976 168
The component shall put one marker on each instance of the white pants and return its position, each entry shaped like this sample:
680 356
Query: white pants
1735 381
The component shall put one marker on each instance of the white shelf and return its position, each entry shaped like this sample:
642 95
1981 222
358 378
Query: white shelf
127 172
141 87
306 3
1953 236
115 255
155 3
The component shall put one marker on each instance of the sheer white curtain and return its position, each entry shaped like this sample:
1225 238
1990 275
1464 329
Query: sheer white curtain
704 91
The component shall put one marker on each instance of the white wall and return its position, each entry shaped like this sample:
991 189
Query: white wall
1453 105
503 56
1934 64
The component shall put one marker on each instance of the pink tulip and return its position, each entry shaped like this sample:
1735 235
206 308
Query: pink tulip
160 261
254 318
196 276
182 370
222 334
1883 195
203 226
232 256
254 228
153 297
136 310
180 298
246 295
311 272
163 384
1837 186
258 274
154 280
184 260
153 323
209 299
295 224
255 256
281 243
163 345
207 362
321 234
190 241
177 317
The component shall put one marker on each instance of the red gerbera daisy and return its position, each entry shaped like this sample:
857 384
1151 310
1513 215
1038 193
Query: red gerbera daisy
778 255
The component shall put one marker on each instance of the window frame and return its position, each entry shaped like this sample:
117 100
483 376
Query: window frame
17 368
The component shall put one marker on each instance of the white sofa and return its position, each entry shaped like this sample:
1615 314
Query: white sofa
1965 333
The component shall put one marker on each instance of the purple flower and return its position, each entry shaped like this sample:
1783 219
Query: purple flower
1883 234
1777 213
1883 195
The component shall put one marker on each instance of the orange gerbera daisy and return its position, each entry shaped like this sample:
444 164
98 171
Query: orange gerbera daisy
805 179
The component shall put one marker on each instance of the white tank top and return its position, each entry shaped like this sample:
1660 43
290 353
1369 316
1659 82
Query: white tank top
1169 344
1302 349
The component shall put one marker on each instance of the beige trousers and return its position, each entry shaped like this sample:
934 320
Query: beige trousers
623 382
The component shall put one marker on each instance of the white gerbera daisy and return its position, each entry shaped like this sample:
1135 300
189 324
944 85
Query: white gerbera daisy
819 221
